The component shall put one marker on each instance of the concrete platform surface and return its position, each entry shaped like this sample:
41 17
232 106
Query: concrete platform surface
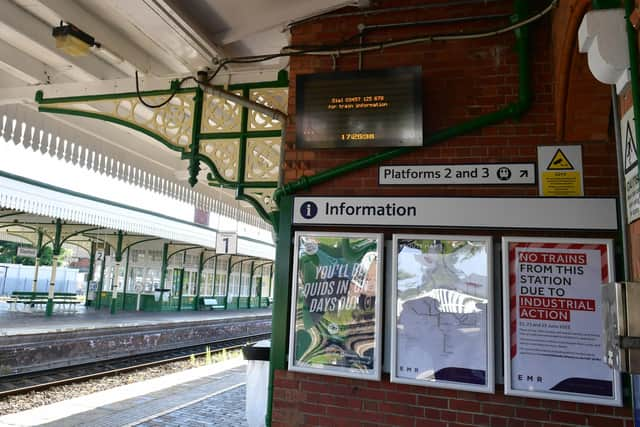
212 395
24 322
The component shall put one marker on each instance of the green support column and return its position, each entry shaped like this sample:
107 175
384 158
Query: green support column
34 286
215 275
250 284
181 281
196 306
180 285
126 277
281 297
270 280
101 283
163 268
116 274
239 286
36 266
226 290
259 286
57 243
92 261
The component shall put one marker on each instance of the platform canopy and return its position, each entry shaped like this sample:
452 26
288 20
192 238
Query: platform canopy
238 156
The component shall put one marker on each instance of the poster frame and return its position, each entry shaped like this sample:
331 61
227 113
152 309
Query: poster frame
616 399
489 387
375 373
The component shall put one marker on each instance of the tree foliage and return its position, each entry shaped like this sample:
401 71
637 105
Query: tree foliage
9 254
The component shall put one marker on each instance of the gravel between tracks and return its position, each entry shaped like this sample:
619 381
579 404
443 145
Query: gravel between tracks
22 402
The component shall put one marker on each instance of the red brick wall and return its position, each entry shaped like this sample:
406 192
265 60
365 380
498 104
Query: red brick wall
461 80
315 400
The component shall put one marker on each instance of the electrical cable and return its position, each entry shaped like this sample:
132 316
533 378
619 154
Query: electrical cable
343 49
171 95
370 28
378 46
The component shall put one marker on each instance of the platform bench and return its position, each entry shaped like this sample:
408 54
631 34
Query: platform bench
211 303
31 299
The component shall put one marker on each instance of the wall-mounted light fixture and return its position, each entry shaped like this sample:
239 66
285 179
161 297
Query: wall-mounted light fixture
72 40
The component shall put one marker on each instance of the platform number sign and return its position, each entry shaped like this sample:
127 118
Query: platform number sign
226 243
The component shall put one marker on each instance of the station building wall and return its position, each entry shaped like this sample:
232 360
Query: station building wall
461 80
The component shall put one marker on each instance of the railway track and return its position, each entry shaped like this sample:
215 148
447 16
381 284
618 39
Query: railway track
33 381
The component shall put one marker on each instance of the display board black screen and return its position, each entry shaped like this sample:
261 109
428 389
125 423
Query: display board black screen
380 108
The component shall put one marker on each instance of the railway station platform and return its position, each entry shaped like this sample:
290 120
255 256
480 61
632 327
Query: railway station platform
206 396
32 342
24 322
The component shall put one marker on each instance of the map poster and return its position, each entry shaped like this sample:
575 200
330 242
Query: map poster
553 336
442 333
336 304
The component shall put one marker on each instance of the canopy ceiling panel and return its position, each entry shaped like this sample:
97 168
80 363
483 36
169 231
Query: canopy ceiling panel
161 40
117 152
37 200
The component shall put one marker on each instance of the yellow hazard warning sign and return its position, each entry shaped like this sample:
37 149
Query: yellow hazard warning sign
560 171
560 162
561 184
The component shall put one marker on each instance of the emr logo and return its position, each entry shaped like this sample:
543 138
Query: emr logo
308 210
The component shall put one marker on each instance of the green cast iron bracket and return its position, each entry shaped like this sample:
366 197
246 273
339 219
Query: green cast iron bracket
201 128
194 164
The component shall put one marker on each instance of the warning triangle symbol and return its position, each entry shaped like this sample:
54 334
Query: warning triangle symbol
630 153
560 162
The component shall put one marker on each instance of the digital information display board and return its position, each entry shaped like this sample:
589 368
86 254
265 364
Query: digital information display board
380 108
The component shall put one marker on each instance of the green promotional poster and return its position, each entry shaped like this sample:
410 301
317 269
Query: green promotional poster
335 318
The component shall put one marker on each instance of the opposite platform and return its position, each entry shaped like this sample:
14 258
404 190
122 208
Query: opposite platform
32 342
23 323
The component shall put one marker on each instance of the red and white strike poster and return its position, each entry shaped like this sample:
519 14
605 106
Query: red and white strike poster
553 339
